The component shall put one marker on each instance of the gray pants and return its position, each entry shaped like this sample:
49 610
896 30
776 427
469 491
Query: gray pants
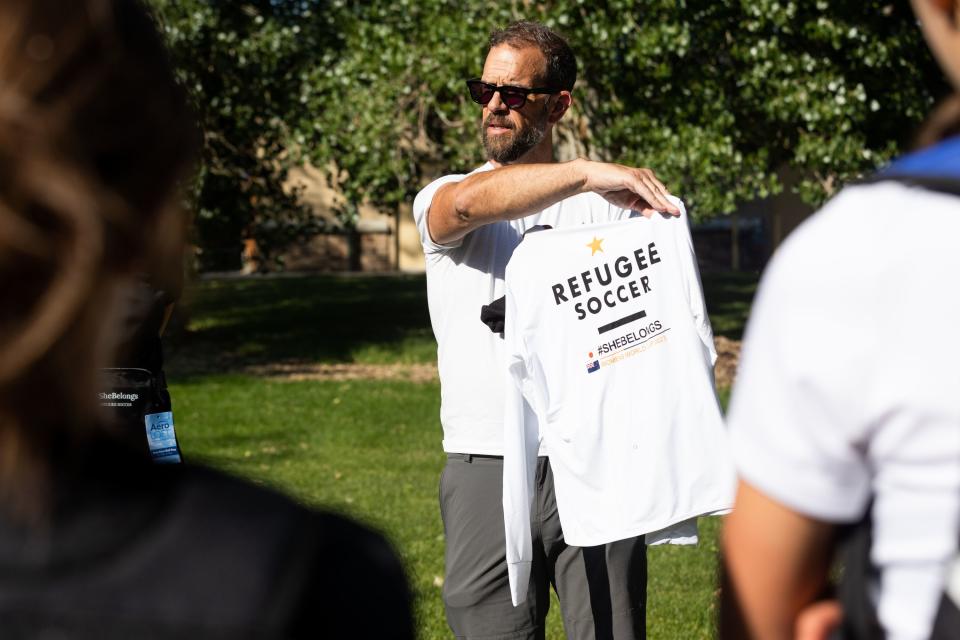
602 590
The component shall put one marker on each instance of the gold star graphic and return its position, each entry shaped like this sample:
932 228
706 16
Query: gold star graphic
595 246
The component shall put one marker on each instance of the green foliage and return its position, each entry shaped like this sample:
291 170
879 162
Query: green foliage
244 64
716 95
400 112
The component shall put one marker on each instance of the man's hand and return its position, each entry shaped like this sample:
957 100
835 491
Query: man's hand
637 189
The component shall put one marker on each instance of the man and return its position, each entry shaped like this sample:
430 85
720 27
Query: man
846 413
469 226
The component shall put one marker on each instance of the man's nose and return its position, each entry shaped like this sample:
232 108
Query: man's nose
496 105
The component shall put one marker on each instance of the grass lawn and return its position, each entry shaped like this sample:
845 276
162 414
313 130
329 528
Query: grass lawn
373 319
368 448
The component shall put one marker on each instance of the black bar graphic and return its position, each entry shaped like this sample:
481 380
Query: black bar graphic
622 321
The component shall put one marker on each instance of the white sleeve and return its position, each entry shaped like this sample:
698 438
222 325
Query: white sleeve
521 440
795 408
693 288
421 211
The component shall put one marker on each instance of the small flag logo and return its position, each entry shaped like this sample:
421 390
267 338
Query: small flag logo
592 364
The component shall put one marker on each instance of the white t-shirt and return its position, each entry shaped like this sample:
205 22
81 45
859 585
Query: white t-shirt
609 343
462 277
849 385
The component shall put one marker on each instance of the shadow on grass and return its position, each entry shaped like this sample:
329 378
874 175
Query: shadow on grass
233 323
237 322
729 296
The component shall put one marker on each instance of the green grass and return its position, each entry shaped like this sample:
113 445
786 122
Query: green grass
368 449
327 318
729 295
371 449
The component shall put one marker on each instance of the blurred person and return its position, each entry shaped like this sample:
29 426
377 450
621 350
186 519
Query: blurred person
95 540
845 417
134 390
469 226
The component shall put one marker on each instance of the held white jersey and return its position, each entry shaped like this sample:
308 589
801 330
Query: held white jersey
462 277
610 356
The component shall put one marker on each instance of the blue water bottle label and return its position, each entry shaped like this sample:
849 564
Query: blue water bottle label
161 437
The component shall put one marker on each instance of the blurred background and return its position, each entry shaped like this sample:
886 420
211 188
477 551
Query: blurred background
304 357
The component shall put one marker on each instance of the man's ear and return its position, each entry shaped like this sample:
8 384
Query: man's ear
560 106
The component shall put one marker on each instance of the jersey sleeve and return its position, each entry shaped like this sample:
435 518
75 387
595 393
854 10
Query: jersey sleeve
521 441
693 288
421 211
793 416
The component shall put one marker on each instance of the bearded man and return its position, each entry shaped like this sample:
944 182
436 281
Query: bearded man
469 226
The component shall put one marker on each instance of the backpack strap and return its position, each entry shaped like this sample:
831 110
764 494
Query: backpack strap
946 626
936 168
860 576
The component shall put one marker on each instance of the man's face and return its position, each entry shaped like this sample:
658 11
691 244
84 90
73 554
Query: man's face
508 134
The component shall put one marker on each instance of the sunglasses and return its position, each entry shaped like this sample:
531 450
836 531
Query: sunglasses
514 97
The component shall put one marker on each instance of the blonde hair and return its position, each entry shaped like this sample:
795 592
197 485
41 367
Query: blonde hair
94 135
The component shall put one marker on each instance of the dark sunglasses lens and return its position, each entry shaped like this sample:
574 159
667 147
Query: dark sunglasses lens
480 92
513 99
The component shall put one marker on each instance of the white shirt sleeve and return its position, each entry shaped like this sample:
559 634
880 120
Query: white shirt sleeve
421 211
693 288
521 440
795 410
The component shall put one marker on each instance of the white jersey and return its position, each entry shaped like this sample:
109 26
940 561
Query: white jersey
610 356
462 277
849 385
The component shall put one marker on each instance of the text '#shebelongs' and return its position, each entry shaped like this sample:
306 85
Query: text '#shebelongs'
611 283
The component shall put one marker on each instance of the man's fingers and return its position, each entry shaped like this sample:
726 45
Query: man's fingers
637 189
663 192
652 178
655 194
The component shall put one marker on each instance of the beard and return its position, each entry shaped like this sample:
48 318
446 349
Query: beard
509 147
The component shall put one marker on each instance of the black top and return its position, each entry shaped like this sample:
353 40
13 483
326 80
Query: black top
137 550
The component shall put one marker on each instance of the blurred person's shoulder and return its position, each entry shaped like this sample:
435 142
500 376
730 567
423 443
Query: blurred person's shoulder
911 204
171 551
879 229
301 568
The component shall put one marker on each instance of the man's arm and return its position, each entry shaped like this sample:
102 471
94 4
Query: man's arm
514 191
776 563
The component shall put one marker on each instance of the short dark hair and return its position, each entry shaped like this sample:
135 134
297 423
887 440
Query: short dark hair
561 72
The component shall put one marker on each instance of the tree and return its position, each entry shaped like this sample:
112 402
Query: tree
245 65
717 95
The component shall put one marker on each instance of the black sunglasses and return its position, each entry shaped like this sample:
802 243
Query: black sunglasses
514 97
